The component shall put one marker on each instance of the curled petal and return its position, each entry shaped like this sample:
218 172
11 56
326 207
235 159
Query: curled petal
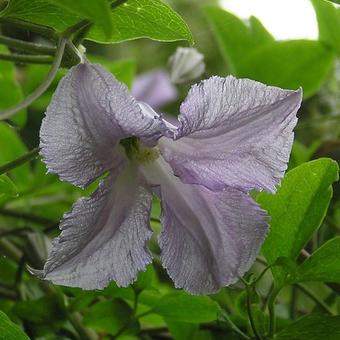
88 115
233 133
155 89
210 239
103 238
165 128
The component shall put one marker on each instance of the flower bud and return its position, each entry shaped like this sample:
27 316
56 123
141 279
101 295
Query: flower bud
186 64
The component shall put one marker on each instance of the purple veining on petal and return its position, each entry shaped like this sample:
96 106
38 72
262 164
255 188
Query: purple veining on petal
233 133
210 239
164 127
89 114
104 237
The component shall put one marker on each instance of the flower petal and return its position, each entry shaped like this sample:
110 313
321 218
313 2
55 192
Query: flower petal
155 89
89 113
104 237
186 64
235 133
210 239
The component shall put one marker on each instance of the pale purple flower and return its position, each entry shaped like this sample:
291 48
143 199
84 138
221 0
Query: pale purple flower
233 136
154 88
186 64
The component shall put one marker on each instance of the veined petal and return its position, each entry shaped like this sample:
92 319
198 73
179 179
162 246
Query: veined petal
104 237
210 239
88 115
154 88
233 133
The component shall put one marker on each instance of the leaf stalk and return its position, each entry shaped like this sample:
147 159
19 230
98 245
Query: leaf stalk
27 46
42 87
29 156
26 58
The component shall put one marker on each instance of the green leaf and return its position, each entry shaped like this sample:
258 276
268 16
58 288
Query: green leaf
82 299
42 12
328 17
301 153
289 64
235 39
34 76
124 70
108 316
252 53
232 35
144 19
11 148
297 210
135 19
322 265
45 310
259 33
11 93
145 279
241 303
8 270
335 1
187 308
9 330
312 327
98 12
7 187
182 330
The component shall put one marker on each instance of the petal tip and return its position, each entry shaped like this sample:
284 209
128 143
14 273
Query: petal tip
40 273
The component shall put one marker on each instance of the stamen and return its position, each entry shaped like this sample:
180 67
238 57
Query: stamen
138 152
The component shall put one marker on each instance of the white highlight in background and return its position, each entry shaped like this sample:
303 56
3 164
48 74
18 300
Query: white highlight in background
284 19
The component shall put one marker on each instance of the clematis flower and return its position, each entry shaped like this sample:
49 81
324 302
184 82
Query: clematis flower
232 136
186 64
154 88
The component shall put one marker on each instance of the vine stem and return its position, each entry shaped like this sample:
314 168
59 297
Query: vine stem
117 3
271 310
141 315
42 30
27 46
234 327
135 301
8 293
15 231
28 217
132 316
74 318
43 86
250 313
76 28
80 55
76 321
315 298
26 58
19 161
9 249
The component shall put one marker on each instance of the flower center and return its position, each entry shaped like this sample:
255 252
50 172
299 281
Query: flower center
138 152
